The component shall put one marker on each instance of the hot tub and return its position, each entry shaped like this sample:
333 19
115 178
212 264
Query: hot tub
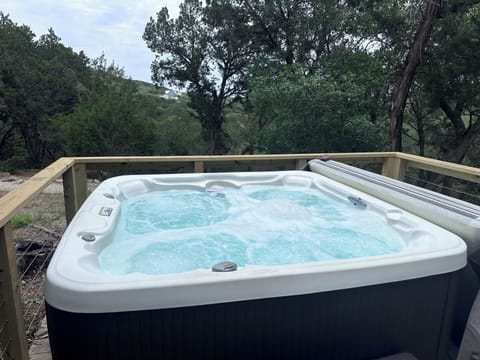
328 304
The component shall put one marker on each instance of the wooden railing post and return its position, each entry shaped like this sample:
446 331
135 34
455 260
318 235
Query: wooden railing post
199 166
394 167
11 312
74 189
300 163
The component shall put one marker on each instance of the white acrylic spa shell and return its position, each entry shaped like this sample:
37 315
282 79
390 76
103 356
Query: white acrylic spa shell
76 283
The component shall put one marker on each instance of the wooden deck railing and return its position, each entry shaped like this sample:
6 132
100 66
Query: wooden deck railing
13 344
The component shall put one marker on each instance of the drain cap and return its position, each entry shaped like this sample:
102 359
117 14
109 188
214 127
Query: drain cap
88 237
225 266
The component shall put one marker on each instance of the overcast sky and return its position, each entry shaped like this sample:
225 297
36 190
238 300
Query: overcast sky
112 26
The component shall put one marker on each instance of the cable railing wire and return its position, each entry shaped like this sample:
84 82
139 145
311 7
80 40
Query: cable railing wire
34 279
32 259
418 180
32 262
4 350
23 254
34 245
40 307
42 266
3 327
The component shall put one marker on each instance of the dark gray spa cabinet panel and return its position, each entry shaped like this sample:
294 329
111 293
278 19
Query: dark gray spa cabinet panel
352 324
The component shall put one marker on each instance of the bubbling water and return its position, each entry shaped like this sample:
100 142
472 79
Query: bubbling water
177 231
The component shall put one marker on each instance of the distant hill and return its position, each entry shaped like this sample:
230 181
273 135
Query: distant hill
149 89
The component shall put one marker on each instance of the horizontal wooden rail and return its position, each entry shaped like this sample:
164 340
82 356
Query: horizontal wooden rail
22 194
441 167
147 162
363 156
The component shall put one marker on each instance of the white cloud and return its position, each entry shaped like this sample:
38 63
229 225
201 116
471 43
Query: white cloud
96 26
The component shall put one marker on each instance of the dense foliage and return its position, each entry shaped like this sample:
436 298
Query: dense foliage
259 76
326 75
55 102
301 113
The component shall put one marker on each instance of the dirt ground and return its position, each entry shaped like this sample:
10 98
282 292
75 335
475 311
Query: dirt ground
36 241
46 210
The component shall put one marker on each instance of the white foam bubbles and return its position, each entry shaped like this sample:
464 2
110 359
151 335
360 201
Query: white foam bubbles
183 230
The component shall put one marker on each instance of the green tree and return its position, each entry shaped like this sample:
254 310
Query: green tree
290 32
16 49
38 83
110 120
334 111
453 80
207 49
403 33
442 115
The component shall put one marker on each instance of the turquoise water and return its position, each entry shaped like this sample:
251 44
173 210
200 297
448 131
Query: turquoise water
182 230
174 210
